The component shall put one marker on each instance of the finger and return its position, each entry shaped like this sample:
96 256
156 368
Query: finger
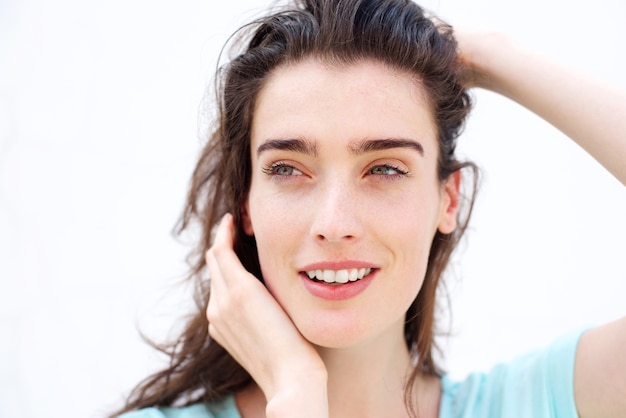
226 259
215 288
224 232
223 243
215 275
213 332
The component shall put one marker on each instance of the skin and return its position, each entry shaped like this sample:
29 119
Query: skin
336 202
333 205
591 113
307 368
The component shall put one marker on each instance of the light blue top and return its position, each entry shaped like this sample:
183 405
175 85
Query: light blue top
537 385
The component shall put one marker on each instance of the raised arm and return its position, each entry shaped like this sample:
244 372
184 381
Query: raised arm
592 114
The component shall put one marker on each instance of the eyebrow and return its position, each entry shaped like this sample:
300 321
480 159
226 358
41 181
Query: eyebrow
370 145
302 146
305 146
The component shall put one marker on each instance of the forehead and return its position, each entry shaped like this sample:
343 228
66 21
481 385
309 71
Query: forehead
366 99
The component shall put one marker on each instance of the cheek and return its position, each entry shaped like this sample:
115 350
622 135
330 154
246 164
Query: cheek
411 220
408 234
270 249
277 231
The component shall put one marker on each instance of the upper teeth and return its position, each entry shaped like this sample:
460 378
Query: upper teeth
339 276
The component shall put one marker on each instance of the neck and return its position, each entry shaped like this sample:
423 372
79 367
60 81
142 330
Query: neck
368 379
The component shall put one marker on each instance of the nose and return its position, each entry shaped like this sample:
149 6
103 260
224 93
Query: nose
336 214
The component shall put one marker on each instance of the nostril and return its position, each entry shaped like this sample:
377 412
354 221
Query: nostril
336 226
321 237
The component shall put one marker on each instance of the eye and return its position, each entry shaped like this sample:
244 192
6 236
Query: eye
281 169
387 170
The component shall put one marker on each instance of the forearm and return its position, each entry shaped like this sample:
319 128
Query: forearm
594 116
588 111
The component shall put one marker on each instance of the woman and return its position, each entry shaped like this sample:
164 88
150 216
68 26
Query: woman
334 153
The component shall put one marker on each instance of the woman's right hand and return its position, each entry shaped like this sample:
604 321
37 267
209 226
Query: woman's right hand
250 324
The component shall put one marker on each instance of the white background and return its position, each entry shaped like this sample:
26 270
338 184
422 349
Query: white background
99 107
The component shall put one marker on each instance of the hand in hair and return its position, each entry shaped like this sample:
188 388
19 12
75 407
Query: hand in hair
248 322
591 114
588 111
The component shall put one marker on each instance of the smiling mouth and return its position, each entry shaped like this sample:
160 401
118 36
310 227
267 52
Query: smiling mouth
338 276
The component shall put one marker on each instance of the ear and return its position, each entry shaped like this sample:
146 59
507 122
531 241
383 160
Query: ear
449 206
246 223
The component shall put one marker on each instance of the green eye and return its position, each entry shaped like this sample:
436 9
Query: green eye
386 170
283 170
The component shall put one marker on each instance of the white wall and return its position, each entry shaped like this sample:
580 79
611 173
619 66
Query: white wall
98 135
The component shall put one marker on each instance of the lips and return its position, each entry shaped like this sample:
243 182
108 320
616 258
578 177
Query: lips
338 276
338 281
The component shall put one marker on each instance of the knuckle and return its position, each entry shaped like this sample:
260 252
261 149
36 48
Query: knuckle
208 255
212 313
217 251
213 333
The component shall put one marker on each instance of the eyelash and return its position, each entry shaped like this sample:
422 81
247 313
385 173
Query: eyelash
271 170
398 170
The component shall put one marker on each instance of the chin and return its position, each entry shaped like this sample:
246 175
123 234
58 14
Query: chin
337 340
340 330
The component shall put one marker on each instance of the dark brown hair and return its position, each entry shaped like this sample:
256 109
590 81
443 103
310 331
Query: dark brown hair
397 33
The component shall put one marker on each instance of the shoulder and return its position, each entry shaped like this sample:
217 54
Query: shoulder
538 384
601 371
225 408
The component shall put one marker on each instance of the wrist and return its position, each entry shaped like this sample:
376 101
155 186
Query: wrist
484 54
304 396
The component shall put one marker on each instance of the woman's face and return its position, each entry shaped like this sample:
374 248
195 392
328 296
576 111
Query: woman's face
344 200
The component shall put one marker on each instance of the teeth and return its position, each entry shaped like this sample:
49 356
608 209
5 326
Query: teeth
339 276
342 276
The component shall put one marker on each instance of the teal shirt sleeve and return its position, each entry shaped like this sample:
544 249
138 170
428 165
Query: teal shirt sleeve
537 385
222 409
